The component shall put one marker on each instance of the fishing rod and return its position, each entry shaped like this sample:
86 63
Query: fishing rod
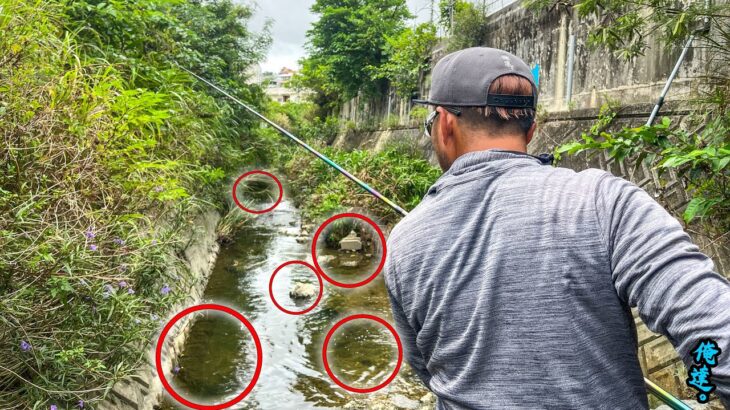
657 391
306 146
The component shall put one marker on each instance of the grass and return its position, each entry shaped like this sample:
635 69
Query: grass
100 179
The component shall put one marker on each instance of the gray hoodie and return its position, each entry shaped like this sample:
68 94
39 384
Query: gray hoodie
511 286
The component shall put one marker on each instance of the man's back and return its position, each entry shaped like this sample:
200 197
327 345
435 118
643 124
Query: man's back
511 285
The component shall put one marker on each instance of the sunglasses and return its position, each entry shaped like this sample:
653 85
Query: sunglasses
432 118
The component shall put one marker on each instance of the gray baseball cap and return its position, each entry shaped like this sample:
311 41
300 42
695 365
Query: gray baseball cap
463 78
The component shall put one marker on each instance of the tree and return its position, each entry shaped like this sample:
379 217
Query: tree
347 43
466 22
409 56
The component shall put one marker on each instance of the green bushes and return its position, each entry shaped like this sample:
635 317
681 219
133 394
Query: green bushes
470 26
700 159
303 120
107 154
398 174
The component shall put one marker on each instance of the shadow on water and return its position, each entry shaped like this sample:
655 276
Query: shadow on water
218 359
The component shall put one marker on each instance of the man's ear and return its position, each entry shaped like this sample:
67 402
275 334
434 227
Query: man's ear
531 132
446 127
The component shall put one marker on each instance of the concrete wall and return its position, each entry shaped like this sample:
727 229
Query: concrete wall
144 390
544 38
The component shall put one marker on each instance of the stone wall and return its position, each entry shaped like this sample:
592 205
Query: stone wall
144 390
543 38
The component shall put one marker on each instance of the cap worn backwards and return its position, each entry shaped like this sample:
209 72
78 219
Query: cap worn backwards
463 79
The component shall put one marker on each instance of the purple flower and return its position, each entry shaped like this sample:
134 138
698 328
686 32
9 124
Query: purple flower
108 290
122 284
176 369
123 267
165 289
154 242
25 346
159 189
92 247
81 404
119 241
154 317
54 407
89 234
130 291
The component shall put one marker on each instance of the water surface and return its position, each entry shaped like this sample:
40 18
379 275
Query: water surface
218 359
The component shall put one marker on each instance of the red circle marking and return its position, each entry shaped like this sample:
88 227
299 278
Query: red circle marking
356 389
324 274
271 288
161 340
253 211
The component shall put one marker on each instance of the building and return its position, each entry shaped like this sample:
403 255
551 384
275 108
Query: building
277 87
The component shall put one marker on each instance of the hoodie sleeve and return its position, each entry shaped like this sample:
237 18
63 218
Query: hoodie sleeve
657 269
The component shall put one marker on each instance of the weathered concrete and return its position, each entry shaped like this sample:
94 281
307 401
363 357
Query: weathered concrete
144 390
542 38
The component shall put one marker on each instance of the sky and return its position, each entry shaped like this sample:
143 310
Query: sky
291 20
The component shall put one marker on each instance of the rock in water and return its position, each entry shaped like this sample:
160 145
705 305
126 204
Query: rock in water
351 242
330 260
303 291
350 264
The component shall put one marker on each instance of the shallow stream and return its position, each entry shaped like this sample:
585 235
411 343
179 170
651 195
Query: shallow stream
218 359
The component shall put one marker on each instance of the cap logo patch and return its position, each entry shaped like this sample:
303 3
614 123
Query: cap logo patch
508 63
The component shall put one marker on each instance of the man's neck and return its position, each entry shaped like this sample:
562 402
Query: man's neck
483 144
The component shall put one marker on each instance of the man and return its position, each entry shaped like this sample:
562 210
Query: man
511 283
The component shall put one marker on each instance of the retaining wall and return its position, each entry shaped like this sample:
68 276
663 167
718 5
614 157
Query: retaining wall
144 390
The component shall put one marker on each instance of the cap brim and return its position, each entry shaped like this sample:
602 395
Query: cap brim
423 102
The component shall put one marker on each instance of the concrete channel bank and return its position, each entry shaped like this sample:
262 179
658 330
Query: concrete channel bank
144 390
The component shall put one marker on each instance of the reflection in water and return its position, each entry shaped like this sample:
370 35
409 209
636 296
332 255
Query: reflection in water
362 354
206 371
218 359
257 191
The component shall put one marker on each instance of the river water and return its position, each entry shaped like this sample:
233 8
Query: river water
219 357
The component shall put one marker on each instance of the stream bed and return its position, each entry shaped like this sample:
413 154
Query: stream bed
219 357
